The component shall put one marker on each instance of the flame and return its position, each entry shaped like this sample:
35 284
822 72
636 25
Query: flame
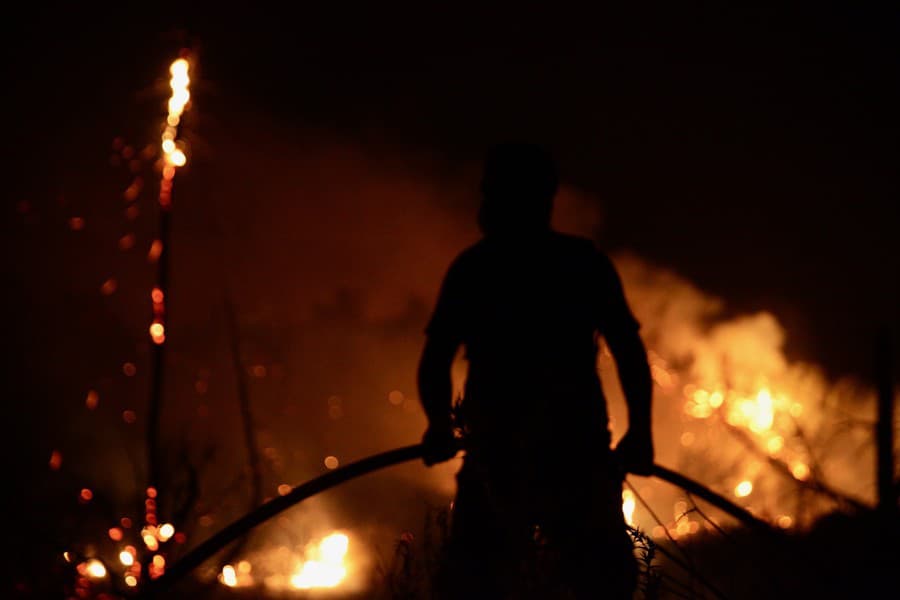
743 489
628 505
179 83
126 558
328 570
95 569
229 577
166 531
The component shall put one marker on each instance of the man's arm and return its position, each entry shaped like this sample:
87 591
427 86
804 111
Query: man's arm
635 450
436 395
620 329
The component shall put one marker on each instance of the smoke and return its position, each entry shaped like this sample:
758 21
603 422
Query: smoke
332 254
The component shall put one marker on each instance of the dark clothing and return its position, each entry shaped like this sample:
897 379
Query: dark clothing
529 312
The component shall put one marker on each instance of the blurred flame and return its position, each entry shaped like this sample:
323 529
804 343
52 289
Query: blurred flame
628 505
95 569
329 570
166 531
743 489
229 577
157 332
177 104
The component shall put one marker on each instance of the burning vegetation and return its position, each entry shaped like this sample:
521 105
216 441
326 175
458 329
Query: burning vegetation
730 410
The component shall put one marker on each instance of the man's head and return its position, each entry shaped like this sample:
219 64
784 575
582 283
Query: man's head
518 187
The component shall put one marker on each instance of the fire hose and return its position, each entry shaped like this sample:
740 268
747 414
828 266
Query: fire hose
243 525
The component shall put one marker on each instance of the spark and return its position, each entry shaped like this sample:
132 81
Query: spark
157 332
95 569
743 489
229 577
628 504
166 531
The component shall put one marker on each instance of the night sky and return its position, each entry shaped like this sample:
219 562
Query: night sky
753 152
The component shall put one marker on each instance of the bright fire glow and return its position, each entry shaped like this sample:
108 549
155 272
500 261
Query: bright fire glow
743 489
328 570
229 577
126 558
628 506
95 569
800 471
177 158
166 531
181 95
157 332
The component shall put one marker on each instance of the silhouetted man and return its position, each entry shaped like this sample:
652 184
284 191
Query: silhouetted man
529 304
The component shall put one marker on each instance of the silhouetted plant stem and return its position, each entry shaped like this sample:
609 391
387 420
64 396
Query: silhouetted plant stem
240 527
158 355
812 484
243 396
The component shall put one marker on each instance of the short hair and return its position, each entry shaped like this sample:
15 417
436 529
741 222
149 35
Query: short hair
519 183
520 169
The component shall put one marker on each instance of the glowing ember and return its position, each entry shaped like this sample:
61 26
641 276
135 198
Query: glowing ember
126 242
157 332
329 570
331 462
109 287
800 471
628 504
228 576
177 104
743 489
131 580
55 460
155 250
775 444
95 569
178 158
151 542
166 531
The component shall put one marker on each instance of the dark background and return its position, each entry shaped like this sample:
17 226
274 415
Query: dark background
752 151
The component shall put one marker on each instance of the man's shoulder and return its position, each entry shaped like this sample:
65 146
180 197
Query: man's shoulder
467 260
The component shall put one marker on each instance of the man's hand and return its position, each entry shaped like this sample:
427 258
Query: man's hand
439 445
634 452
